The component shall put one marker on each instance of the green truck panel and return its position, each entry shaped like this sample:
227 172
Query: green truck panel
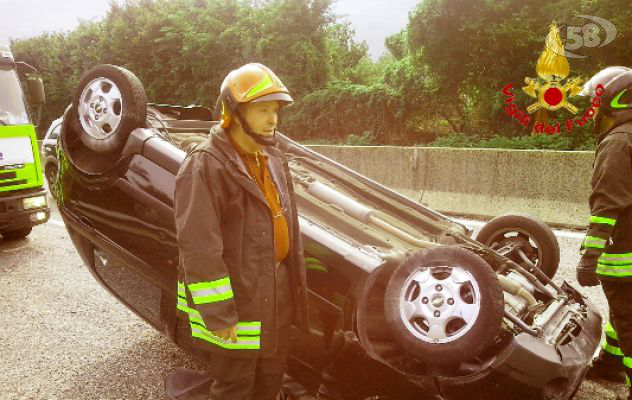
18 147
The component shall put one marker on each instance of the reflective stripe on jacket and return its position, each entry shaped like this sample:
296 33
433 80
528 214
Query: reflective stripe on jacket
609 236
248 333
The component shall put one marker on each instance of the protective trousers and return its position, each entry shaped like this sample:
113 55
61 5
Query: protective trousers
618 343
259 377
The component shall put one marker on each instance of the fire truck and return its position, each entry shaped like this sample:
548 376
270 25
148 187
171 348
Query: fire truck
23 197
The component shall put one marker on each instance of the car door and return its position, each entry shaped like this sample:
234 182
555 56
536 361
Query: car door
129 212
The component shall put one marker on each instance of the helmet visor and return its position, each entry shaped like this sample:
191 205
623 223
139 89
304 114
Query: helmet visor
275 97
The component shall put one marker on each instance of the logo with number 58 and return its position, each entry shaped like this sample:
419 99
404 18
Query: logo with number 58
589 35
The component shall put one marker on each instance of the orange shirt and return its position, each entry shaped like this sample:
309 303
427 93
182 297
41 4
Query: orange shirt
257 167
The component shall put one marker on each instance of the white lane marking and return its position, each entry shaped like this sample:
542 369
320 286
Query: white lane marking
558 232
569 234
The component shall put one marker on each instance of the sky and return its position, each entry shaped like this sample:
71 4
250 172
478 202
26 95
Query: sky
373 20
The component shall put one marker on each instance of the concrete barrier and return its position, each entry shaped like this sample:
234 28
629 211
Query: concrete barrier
551 185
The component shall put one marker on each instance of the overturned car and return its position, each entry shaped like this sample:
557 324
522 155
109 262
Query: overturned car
403 303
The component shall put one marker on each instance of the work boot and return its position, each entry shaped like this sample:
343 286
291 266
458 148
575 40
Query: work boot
607 367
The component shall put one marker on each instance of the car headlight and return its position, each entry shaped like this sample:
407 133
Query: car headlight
34 202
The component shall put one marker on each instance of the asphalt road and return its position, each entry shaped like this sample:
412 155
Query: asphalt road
64 337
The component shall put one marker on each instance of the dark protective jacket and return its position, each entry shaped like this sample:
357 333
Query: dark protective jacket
226 247
608 241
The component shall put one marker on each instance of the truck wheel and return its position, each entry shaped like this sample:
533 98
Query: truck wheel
445 305
536 239
17 234
110 102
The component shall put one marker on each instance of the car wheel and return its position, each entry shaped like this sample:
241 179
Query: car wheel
17 233
536 239
445 305
51 178
110 102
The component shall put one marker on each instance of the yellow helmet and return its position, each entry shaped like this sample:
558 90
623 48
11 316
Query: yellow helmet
248 84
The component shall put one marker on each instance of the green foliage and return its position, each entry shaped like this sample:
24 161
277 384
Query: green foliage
348 59
182 49
366 139
446 71
473 48
441 82
347 111
536 141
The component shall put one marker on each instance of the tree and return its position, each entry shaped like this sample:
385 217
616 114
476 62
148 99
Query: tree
475 47
182 49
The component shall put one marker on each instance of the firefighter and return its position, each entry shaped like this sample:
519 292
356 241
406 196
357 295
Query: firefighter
242 277
607 247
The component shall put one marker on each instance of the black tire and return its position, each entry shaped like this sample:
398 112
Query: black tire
128 113
540 243
462 341
17 233
51 178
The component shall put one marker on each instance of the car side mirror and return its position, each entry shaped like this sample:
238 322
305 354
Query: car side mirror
36 90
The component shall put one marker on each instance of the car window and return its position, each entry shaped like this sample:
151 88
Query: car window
12 104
